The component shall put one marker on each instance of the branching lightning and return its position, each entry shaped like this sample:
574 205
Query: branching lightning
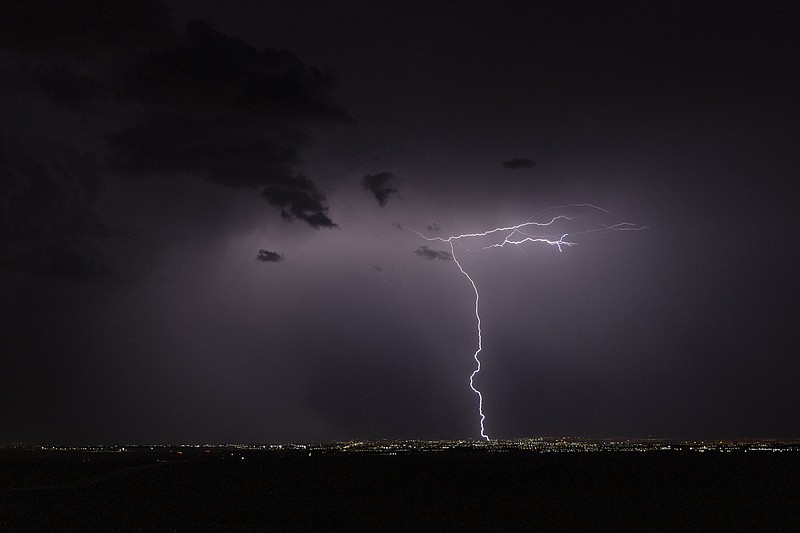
518 235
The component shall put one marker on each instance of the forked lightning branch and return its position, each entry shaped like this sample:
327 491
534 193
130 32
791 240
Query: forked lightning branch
525 233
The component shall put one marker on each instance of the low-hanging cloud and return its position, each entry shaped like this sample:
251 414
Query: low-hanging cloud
381 185
268 256
429 253
518 163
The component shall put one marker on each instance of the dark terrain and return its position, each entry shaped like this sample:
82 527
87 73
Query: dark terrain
214 490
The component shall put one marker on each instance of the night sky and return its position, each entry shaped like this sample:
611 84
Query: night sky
206 215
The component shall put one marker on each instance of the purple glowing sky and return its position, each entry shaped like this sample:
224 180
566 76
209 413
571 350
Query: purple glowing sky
144 163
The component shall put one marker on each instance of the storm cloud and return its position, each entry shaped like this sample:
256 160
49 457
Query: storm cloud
429 253
140 99
381 185
518 163
218 108
268 256
49 223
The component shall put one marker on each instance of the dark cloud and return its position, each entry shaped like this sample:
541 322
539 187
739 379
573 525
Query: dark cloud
397 225
75 91
83 28
70 50
518 162
428 253
219 109
432 227
298 198
381 185
269 257
49 224
171 144
211 72
166 103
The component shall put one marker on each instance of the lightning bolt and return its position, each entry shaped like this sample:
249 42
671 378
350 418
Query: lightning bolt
518 235
480 342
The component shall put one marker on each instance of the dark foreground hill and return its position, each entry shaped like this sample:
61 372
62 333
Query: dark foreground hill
653 491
